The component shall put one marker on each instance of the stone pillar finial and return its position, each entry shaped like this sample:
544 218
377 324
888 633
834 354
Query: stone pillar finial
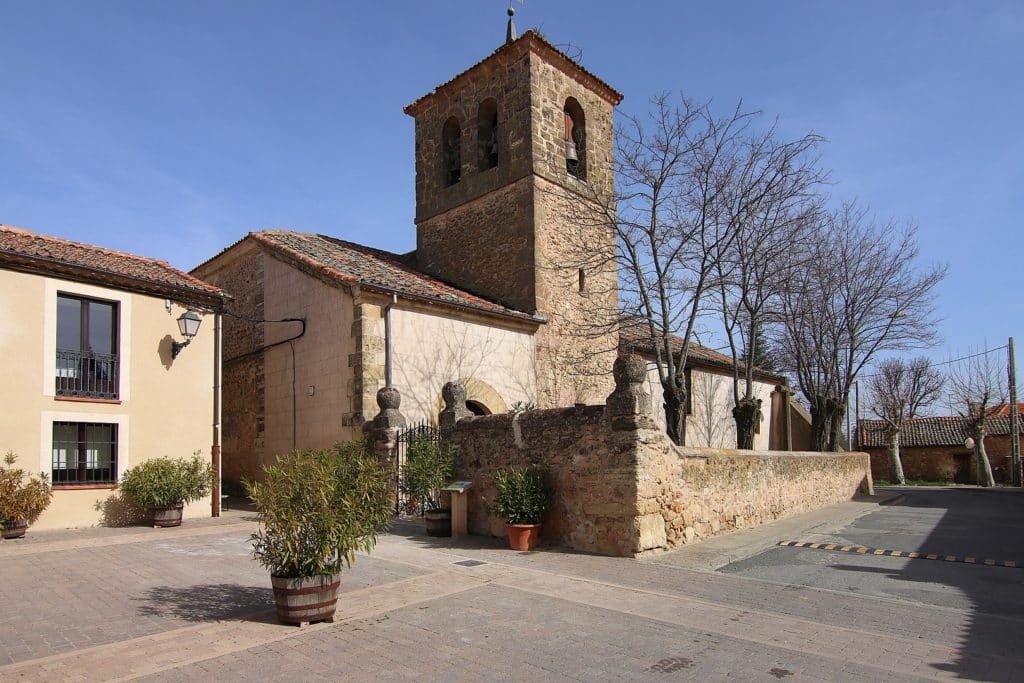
629 406
382 431
454 395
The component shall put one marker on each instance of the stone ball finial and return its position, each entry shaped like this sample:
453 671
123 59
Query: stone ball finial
454 394
628 370
388 398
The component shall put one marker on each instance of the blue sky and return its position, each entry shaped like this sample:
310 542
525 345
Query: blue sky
171 129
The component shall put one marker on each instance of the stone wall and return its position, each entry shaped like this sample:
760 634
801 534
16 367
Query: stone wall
240 272
952 464
699 492
622 488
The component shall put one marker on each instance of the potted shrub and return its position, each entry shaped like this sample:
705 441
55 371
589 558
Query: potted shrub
523 497
163 486
317 509
428 467
23 497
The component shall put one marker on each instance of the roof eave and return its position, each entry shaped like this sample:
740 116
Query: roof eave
47 267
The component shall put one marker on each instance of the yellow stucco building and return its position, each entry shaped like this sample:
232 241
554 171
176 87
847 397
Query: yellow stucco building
93 384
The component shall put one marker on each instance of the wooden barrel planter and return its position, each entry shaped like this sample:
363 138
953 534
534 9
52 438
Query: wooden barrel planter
306 599
523 536
168 516
439 522
15 529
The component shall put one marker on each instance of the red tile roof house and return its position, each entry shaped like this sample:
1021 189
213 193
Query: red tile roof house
96 386
932 449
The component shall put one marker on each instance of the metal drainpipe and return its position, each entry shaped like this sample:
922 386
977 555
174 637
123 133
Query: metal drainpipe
215 450
387 340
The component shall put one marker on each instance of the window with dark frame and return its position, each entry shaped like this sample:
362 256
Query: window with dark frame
84 453
87 363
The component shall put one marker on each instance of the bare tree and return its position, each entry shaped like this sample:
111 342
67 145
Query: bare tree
899 391
975 385
770 199
669 167
859 293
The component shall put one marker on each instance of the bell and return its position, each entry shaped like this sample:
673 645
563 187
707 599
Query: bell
570 151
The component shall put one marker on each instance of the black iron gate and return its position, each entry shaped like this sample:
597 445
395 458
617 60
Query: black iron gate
406 505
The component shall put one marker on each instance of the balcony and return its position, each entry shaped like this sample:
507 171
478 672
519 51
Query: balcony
87 375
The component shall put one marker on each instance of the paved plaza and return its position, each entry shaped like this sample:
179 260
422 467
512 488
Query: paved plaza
190 604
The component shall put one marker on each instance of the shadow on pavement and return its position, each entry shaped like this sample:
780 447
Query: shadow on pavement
210 602
983 524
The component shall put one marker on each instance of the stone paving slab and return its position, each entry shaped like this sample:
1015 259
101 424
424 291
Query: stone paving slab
192 605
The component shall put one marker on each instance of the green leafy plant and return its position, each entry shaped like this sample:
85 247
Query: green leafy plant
23 496
318 508
429 466
524 494
163 482
522 407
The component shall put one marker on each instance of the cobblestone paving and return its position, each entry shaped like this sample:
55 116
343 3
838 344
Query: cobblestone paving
189 604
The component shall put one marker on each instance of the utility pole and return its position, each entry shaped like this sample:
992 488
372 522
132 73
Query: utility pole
1014 419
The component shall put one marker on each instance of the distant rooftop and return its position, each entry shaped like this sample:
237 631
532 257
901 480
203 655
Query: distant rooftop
949 431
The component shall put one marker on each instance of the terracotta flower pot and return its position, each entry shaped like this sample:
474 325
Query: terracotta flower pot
306 599
168 516
15 529
523 536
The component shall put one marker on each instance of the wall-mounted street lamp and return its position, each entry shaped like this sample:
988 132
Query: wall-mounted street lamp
188 324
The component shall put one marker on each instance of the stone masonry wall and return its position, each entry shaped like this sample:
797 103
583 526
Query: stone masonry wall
701 492
945 464
243 372
623 488
595 476
486 246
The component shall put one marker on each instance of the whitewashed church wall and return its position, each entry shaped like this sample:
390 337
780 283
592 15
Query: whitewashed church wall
429 350
711 424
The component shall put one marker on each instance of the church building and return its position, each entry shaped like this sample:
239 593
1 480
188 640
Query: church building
512 288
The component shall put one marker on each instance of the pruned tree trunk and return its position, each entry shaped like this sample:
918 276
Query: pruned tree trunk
824 423
747 415
985 477
894 454
835 428
675 414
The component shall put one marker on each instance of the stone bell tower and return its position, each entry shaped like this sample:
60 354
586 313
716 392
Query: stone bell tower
514 183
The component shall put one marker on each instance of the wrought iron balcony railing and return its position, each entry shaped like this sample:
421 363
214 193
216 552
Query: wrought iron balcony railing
92 375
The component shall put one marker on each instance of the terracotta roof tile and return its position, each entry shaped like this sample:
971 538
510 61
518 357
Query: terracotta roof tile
948 430
354 264
633 337
1003 409
22 249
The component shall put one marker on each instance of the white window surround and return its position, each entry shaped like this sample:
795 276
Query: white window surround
124 316
47 418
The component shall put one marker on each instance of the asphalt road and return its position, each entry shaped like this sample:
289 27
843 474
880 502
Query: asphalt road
955 522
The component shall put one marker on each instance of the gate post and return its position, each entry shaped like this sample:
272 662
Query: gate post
629 406
382 431
454 395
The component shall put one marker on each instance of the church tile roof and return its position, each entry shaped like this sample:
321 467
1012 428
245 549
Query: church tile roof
633 337
350 264
28 251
